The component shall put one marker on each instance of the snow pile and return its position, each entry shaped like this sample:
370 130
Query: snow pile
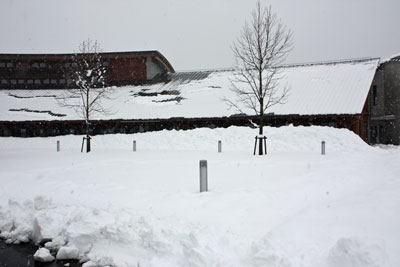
351 252
292 207
68 253
43 255
283 139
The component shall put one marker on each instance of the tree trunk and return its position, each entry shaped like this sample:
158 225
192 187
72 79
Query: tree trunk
87 138
87 121
260 141
87 143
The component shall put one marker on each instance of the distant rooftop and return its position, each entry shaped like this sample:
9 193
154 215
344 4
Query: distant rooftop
193 75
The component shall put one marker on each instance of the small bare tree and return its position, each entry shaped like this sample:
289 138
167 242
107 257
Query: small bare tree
259 51
89 77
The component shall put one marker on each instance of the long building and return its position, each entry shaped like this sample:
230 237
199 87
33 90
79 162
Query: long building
54 71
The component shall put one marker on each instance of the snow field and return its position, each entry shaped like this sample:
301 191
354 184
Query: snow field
292 207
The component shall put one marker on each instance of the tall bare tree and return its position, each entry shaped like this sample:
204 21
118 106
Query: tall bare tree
259 51
88 72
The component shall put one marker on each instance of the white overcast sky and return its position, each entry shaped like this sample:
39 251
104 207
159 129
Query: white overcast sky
197 34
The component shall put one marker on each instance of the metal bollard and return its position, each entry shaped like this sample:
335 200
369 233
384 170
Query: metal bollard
203 176
58 146
134 145
323 148
219 146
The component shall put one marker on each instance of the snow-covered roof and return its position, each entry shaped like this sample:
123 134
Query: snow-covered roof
315 89
395 57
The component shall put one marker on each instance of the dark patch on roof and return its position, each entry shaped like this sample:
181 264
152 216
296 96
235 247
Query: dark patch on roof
144 92
189 76
39 111
37 96
178 99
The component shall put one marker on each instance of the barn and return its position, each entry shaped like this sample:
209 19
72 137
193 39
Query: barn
384 103
336 93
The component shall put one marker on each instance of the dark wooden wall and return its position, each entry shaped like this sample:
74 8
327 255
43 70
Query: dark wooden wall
55 128
124 68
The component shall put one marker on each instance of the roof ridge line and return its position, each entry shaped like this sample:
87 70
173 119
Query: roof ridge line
204 70
332 62
328 62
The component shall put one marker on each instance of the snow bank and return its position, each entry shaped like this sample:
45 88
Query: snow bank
282 139
352 252
292 207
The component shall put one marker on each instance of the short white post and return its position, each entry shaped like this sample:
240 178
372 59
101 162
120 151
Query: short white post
203 176
323 148
58 145
219 146
134 145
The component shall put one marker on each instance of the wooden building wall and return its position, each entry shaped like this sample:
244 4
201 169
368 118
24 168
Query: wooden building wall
55 71
55 128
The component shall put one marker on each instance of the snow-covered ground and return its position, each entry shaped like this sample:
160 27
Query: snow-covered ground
293 207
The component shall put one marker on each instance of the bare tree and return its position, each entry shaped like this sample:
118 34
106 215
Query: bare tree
88 73
259 51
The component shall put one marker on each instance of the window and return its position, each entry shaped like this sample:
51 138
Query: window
67 64
62 81
47 81
35 65
52 81
4 82
30 81
105 64
2 65
42 65
10 65
37 81
374 95
74 65
21 82
69 81
13 81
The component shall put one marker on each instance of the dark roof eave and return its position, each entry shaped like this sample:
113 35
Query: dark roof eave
71 54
